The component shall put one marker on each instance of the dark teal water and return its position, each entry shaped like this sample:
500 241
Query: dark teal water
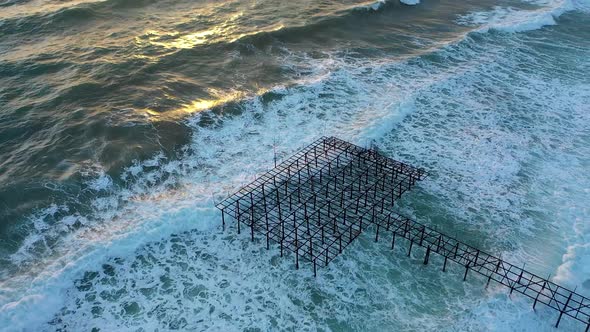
122 121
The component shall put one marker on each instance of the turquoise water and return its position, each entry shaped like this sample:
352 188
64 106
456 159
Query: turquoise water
123 121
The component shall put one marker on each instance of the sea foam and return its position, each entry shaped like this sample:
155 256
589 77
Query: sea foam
510 19
410 2
153 254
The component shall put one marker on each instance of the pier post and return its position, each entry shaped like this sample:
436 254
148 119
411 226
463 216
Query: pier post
427 255
563 310
539 293
466 270
377 234
238 215
252 222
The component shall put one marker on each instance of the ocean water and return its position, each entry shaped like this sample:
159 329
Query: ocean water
123 121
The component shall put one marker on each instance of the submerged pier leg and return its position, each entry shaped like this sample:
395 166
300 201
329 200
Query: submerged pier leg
252 224
466 270
377 234
427 255
315 274
410 250
562 311
238 216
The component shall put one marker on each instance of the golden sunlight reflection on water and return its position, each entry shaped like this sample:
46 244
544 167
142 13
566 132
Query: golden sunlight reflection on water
228 31
218 98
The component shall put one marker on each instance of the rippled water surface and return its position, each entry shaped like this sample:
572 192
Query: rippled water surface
122 121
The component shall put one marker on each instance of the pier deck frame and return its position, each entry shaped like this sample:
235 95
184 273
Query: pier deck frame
315 203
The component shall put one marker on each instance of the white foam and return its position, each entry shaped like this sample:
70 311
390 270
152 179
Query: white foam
573 271
410 2
510 19
148 212
375 5
575 267
477 165
246 141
